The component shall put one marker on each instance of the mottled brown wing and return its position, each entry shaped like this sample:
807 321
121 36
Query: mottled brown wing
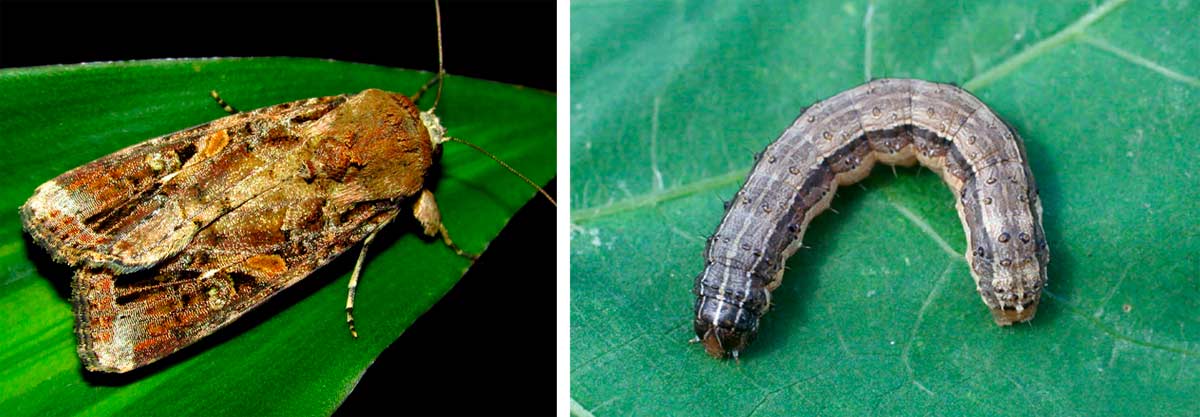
231 266
164 189
168 253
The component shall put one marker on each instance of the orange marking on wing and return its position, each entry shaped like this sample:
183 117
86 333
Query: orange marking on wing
268 264
215 143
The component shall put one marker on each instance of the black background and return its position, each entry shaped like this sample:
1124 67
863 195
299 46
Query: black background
506 41
451 361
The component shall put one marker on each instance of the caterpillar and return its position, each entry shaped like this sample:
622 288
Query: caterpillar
835 143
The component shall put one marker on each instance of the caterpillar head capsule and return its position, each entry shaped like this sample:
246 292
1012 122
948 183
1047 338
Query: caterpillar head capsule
726 319
721 342
1015 291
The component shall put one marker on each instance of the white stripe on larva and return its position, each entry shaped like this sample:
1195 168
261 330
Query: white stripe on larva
731 252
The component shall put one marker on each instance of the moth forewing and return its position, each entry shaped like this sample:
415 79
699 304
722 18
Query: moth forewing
178 236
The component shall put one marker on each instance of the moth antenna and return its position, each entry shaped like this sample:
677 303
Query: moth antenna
506 166
441 76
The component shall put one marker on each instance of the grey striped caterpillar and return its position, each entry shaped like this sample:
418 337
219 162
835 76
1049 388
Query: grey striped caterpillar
835 143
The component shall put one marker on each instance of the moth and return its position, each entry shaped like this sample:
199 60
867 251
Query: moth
178 236
835 143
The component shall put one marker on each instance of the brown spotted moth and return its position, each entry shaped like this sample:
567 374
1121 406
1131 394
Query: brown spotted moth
836 142
180 235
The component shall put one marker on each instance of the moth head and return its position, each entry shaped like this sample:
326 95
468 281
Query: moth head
437 133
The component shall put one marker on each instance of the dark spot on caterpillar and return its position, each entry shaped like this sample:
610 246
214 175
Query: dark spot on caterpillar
1003 237
1024 237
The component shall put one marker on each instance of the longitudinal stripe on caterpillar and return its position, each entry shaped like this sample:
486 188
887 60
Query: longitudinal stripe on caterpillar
836 142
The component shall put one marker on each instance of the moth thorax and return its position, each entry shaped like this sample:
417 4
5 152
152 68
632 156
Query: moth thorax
437 133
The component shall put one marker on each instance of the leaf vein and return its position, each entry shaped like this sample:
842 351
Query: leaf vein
1141 61
1066 34
912 334
1112 332
651 199
927 229
867 22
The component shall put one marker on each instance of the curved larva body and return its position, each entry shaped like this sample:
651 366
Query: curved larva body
836 142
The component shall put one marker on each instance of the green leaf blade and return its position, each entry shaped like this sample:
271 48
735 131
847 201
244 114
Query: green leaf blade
878 314
293 355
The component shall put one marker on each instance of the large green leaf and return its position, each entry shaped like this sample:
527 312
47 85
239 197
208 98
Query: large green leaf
294 355
878 314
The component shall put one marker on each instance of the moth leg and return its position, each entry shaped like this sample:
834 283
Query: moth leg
426 212
362 254
221 102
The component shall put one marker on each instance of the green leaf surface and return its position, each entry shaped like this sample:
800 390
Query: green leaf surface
292 356
878 313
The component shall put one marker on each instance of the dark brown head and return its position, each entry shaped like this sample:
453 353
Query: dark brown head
722 342
723 328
